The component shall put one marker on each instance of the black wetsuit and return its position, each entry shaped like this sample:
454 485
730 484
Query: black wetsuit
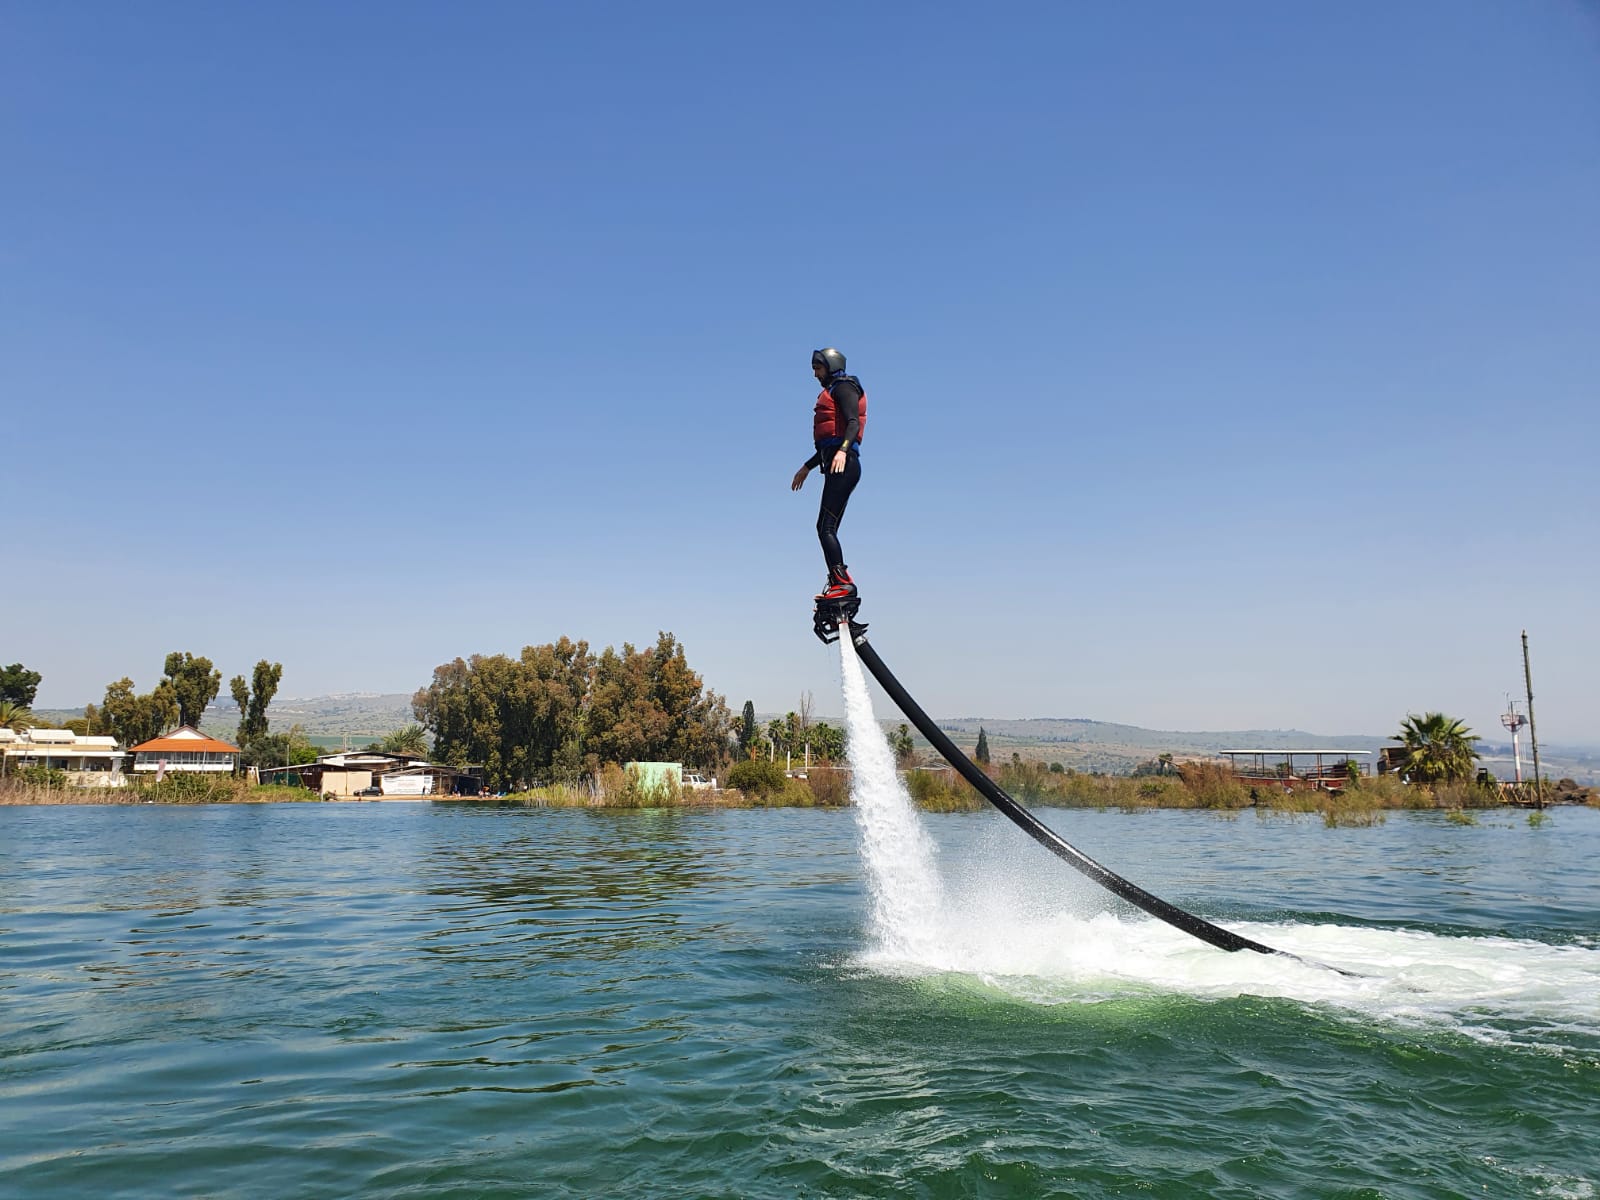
836 489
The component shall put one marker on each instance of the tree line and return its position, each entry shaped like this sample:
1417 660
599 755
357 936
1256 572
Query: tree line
188 685
796 736
558 712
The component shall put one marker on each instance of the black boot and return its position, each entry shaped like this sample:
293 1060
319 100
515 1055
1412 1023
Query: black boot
840 585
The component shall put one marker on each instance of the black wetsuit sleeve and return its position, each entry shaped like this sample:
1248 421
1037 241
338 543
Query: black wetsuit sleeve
848 397
814 461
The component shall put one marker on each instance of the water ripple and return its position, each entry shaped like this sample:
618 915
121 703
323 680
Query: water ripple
418 1001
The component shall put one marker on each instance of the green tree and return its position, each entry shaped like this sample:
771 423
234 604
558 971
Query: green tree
756 778
648 705
18 685
411 740
253 698
625 724
133 718
15 716
747 729
91 724
982 751
558 711
95 722
827 743
521 718
195 684
279 749
1438 748
901 743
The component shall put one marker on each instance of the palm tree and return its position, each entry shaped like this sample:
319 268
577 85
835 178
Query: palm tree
1438 748
15 716
412 740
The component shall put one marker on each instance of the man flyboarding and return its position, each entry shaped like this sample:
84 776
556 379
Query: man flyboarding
837 426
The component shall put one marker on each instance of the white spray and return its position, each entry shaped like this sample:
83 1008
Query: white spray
1061 946
896 850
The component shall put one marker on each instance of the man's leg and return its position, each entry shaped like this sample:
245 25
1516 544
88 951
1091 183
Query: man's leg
836 491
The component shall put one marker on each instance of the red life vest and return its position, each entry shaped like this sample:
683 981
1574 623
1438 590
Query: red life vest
828 422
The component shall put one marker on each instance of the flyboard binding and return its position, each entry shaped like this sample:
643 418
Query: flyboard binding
832 613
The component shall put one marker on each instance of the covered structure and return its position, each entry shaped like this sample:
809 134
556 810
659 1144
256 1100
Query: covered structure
360 773
87 761
1294 770
185 749
345 774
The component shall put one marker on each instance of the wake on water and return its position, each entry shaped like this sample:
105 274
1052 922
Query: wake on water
1042 940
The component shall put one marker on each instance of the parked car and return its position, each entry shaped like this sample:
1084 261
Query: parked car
696 781
370 791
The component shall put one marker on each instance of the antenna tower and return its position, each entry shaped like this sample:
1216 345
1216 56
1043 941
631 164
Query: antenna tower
1514 721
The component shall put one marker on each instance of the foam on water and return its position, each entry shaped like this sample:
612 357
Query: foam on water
1410 975
1034 931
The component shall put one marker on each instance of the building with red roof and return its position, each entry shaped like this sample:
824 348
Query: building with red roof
185 749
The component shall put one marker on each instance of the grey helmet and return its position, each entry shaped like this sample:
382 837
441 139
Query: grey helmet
830 358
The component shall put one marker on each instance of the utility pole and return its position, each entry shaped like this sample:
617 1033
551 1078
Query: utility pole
1533 732
805 725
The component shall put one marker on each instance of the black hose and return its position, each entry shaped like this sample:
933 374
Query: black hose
1040 832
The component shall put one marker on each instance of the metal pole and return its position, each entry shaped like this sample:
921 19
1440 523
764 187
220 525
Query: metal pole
1533 734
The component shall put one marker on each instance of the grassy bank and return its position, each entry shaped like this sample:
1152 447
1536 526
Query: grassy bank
178 789
764 785
1202 785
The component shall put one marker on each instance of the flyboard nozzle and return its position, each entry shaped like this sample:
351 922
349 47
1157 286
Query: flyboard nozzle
831 614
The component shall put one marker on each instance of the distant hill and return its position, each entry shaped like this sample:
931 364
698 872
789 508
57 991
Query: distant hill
355 713
1081 744
356 717
1083 731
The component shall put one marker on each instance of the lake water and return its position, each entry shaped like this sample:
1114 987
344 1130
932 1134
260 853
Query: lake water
414 1000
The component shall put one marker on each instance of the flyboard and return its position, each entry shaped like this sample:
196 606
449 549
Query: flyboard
835 618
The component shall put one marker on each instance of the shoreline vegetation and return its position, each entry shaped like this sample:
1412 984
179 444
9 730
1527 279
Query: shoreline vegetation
549 726
1194 785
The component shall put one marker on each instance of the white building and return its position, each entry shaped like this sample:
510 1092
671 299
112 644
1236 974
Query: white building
88 761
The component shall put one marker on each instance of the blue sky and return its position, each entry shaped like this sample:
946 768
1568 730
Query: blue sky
1230 365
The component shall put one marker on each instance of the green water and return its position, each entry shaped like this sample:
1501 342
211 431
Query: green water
409 1000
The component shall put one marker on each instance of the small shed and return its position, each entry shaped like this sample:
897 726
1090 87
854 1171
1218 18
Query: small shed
654 774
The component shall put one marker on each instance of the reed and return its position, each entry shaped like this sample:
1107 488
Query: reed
175 789
942 791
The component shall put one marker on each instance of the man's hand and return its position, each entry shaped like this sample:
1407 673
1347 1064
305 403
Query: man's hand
799 479
840 458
